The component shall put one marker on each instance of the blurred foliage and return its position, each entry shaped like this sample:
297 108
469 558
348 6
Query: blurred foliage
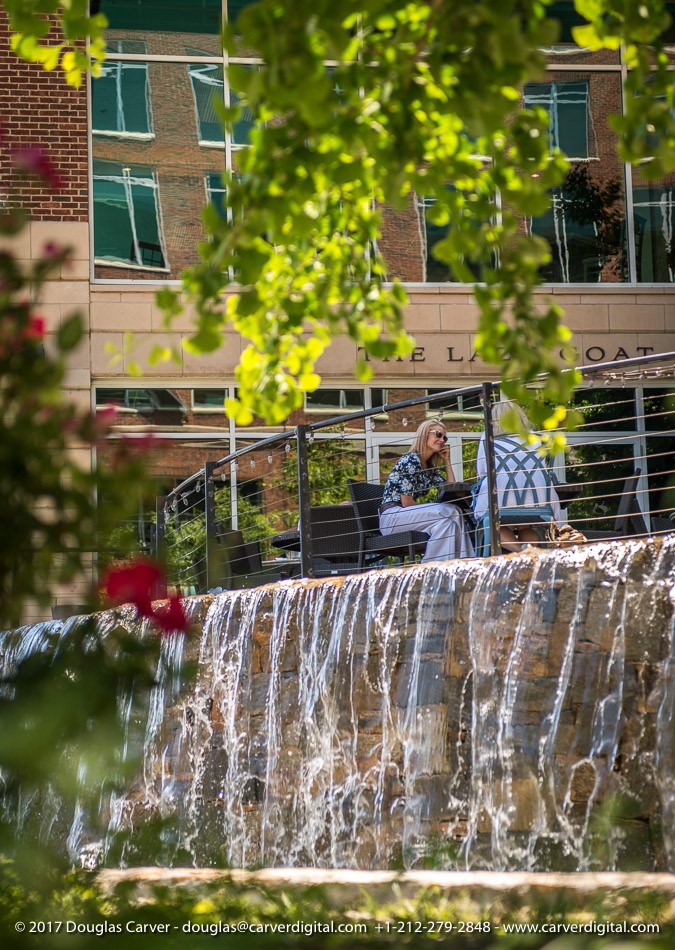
195 913
72 695
58 32
423 94
48 488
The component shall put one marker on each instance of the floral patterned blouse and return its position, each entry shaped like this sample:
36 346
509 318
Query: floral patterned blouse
409 477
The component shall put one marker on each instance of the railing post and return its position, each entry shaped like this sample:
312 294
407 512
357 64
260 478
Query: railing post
493 505
160 528
158 548
306 553
210 511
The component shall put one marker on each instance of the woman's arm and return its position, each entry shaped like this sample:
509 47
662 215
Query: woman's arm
450 475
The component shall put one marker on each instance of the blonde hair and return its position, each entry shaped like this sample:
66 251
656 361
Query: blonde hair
507 408
419 443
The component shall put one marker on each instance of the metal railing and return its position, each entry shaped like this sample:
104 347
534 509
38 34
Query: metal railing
235 521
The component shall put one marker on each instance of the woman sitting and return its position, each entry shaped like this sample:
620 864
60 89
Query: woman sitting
414 475
523 477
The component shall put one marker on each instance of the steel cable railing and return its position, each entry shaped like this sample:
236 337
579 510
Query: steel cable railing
273 507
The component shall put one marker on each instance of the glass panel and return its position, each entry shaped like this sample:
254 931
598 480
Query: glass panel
661 482
209 400
565 50
234 8
217 193
436 271
126 224
463 413
207 87
566 102
334 401
120 100
585 226
660 410
242 128
164 407
602 469
653 214
612 410
166 24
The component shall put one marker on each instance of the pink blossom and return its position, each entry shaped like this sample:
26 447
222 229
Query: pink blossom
33 160
52 250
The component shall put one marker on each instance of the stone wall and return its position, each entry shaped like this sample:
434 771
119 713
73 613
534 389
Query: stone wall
508 714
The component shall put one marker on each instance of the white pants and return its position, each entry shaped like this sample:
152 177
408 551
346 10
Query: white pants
443 522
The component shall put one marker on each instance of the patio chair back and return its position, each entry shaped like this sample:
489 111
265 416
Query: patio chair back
367 498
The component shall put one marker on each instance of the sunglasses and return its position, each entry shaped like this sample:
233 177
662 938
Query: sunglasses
439 435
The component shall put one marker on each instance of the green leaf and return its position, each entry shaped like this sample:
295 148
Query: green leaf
69 333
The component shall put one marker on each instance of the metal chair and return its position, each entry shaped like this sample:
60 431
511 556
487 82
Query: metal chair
373 545
335 540
629 519
234 557
520 466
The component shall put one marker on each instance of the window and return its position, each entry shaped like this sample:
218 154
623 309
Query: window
586 229
241 130
126 222
165 16
208 86
216 193
436 271
573 244
209 400
334 400
120 100
235 7
467 407
654 212
567 107
140 400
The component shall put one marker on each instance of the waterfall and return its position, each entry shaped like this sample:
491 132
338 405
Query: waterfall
469 714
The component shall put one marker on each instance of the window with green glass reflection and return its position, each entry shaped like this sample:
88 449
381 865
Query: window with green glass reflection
653 212
162 16
120 100
235 7
585 228
217 193
212 400
126 223
207 86
567 107
241 130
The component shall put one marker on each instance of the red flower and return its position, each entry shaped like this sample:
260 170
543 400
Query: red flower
139 584
33 160
170 615
35 329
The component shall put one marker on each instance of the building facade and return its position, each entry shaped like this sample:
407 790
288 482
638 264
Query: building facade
140 151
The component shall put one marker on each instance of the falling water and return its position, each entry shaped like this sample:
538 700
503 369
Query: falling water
474 714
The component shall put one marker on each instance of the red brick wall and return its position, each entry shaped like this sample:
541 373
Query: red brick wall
39 108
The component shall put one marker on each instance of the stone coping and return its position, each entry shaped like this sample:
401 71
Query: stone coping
577 887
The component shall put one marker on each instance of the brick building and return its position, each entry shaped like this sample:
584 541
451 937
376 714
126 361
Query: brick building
140 151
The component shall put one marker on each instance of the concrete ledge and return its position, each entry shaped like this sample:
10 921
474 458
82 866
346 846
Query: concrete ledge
577 889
